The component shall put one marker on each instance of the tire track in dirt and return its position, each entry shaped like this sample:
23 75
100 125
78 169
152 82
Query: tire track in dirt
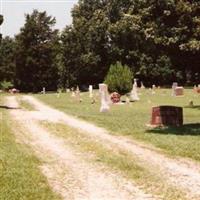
67 173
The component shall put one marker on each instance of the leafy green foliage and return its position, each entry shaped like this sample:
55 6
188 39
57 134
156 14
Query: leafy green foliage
7 60
1 21
36 53
158 40
5 85
119 78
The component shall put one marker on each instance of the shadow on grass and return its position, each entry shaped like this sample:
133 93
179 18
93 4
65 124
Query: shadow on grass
8 108
193 107
186 129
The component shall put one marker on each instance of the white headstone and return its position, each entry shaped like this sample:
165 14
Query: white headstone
153 89
90 91
103 90
174 86
142 85
134 94
43 90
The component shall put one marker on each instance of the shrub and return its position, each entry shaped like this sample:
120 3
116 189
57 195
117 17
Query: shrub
119 78
5 85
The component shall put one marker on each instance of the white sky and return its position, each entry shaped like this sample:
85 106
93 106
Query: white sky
13 12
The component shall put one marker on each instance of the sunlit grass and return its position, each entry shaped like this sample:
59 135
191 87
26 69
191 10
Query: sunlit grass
130 120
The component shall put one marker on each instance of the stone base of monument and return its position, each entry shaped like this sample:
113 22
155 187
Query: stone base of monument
166 116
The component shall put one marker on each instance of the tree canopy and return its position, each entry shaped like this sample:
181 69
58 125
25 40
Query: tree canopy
159 40
1 21
36 50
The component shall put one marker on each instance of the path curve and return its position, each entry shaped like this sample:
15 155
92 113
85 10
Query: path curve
181 173
82 181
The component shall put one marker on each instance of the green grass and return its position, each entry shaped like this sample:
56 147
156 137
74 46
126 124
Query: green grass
149 181
131 120
20 177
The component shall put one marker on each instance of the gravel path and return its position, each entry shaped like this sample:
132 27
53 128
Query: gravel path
68 174
180 172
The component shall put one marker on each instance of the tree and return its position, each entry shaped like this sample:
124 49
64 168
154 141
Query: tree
85 44
7 60
157 39
1 21
119 78
36 53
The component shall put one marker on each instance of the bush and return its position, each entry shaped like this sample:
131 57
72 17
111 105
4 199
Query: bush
5 85
119 79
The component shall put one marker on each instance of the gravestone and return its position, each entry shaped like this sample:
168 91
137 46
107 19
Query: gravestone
167 116
103 90
153 89
142 86
43 90
77 94
90 91
174 85
134 94
179 91
115 97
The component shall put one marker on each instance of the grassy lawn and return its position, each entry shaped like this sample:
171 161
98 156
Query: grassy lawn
131 120
20 177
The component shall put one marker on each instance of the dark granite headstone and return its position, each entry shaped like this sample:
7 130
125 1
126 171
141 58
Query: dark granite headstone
167 116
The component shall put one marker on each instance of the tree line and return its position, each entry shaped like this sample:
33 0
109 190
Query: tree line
159 40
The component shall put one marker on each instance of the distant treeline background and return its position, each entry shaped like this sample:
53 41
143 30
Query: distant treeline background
158 39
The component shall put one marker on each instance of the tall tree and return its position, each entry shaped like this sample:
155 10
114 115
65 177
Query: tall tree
36 53
1 21
7 60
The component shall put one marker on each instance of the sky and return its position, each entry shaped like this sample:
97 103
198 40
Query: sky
13 12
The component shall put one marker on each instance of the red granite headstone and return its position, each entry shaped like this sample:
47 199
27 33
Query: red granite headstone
167 116
179 91
115 97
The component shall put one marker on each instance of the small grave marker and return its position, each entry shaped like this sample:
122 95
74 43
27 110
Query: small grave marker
179 91
90 91
43 90
134 94
174 85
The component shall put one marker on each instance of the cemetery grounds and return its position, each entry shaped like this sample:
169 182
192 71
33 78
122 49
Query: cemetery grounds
32 171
